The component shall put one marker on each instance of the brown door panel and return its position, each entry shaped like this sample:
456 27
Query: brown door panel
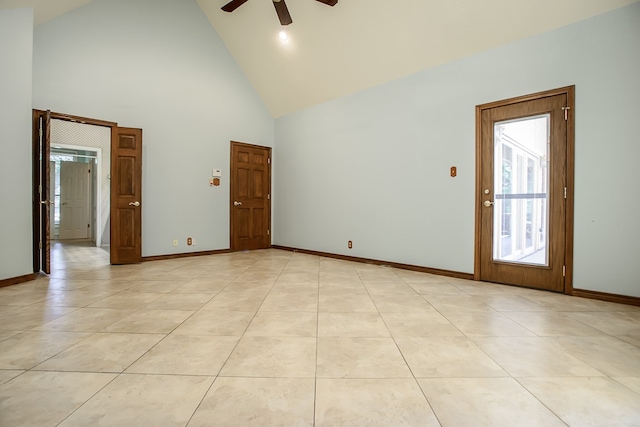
126 196
250 201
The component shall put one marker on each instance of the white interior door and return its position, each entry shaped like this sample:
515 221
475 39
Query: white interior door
75 200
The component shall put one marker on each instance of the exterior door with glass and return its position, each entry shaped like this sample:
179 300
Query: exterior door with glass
523 168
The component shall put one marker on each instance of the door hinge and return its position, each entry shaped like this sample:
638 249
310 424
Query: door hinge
40 189
269 160
566 112
268 196
565 192
39 245
564 271
40 130
268 232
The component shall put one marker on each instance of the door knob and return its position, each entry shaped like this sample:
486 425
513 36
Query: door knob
237 203
488 203
136 203
44 202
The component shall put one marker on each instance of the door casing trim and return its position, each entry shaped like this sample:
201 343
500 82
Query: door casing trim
569 91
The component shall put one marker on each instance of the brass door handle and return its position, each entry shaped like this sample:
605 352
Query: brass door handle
488 203
136 203
237 203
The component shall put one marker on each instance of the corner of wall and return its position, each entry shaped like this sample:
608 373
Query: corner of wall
16 47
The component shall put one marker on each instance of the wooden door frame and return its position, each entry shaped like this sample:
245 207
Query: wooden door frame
569 91
232 188
37 218
96 174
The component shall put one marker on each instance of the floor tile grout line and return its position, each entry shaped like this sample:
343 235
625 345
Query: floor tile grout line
417 382
204 396
87 401
540 401
415 379
246 328
167 335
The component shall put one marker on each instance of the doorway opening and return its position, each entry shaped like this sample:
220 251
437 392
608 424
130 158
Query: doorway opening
79 186
75 193
78 143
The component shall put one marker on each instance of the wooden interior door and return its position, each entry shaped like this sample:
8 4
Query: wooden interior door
524 216
41 190
126 195
250 197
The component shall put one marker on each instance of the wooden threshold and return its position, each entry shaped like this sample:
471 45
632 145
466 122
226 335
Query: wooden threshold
439 272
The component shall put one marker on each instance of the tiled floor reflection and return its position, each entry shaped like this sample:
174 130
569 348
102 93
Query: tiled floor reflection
275 338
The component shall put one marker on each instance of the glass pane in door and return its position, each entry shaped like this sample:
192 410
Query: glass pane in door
521 180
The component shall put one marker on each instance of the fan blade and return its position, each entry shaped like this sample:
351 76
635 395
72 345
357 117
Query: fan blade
329 2
283 12
233 5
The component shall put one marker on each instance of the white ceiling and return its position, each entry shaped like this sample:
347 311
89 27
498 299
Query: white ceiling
335 51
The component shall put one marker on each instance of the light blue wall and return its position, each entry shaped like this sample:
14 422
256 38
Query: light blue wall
160 66
16 39
373 167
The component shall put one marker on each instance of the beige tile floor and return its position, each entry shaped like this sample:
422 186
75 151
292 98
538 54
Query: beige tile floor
274 338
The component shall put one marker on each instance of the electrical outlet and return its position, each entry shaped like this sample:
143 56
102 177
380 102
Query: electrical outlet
189 241
175 242
350 244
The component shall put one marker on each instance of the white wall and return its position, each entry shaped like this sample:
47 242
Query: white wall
373 167
160 66
16 35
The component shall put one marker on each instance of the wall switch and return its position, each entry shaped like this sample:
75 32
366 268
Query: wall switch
175 242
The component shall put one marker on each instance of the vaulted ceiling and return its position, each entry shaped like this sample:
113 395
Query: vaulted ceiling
335 51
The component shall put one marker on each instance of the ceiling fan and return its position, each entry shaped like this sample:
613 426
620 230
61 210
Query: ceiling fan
280 5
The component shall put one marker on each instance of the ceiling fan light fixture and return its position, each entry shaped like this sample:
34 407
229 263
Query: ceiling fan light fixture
281 8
